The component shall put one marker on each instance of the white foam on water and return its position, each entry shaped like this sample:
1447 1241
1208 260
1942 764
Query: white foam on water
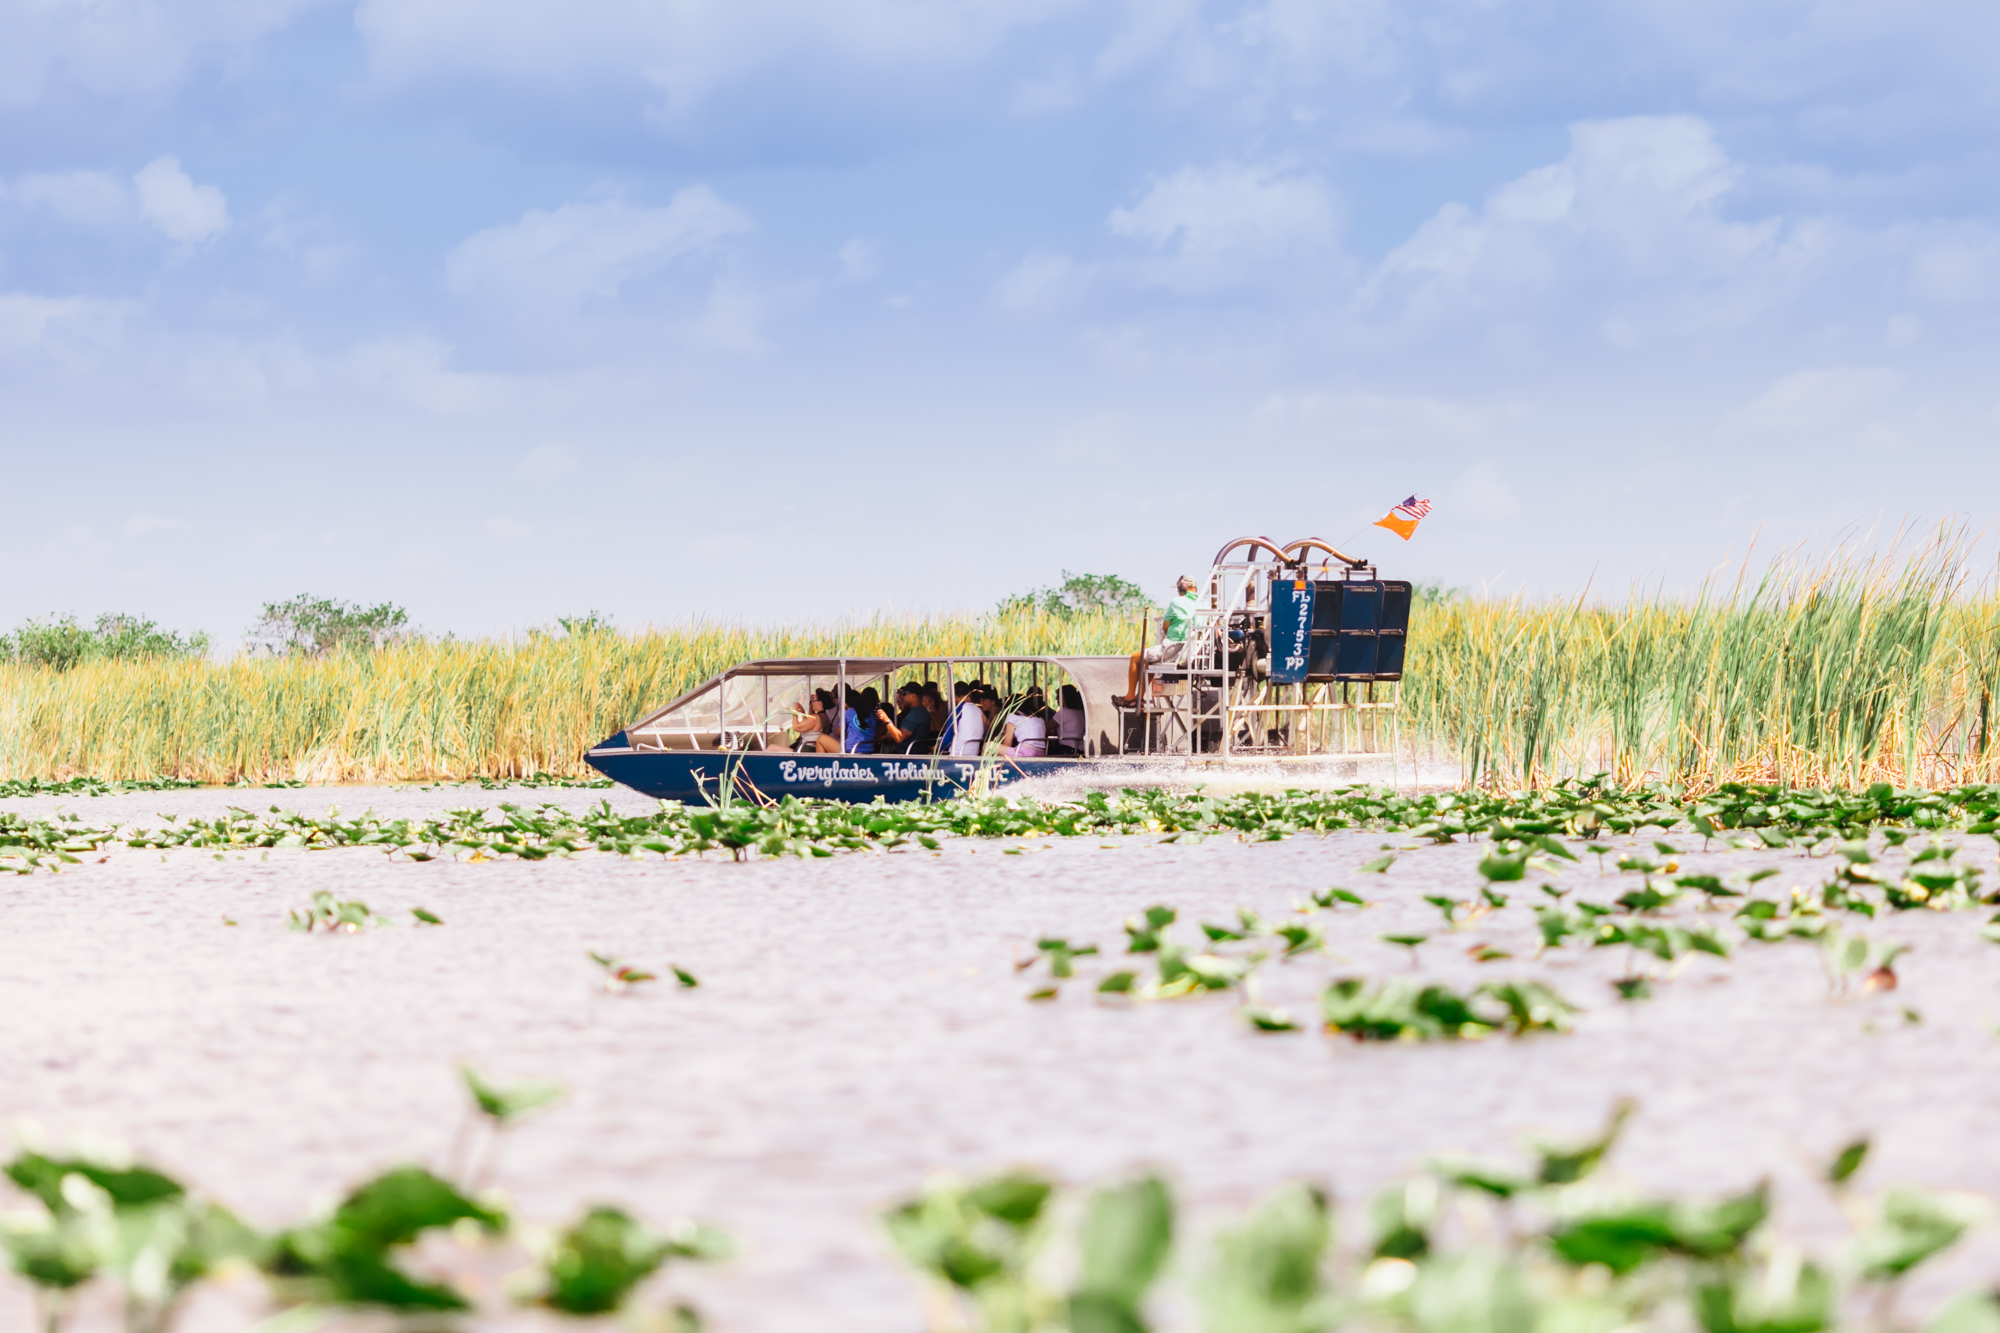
1227 779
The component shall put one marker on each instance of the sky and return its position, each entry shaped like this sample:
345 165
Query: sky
764 310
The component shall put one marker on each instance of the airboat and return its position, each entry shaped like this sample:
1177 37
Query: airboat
1294 655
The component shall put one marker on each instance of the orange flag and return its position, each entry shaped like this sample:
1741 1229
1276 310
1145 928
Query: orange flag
1402 520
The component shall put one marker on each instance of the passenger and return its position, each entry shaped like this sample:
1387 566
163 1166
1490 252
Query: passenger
1069 724
940 717
1027 733
948 734
1173 639
815 726
968 720
860 732
992 710
909 732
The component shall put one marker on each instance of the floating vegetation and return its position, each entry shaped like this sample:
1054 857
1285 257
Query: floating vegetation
496 1110
1405 1010
1568 1249
1524 829
333 915
544 780
16 787
593 1266
1649 922
100 1218
1229 956
620 977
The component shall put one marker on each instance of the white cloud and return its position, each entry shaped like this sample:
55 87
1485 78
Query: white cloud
1955 263
730 320
860 260
579 254
126 48
1818 400
685 51
1043 284
1642 189
171 201
88 198
1627 226
64 326
414 367
1216 226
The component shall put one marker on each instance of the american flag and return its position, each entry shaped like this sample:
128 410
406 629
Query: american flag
1413 508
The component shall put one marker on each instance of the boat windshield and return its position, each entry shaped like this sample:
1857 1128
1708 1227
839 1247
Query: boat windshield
752 707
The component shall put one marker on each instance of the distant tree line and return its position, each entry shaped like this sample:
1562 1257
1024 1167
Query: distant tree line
308 626
61 643
302 626
1080 593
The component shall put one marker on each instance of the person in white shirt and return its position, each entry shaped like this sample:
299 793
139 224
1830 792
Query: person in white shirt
968 721
1027 734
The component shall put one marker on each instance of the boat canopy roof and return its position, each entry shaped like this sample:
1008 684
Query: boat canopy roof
1096 679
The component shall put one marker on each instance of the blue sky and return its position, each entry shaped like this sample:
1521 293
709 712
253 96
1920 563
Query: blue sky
767 309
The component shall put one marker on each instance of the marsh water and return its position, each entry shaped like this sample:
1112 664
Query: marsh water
860 1024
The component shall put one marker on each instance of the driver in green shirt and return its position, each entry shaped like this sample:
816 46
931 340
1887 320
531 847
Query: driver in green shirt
1173 639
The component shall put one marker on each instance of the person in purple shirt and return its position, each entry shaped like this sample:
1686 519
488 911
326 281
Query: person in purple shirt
860 733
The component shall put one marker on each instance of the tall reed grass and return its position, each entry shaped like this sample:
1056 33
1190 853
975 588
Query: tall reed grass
1835 674
1840 673
434 710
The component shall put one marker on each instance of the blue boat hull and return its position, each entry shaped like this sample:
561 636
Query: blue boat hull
699 777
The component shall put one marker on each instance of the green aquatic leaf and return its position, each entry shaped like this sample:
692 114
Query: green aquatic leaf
349 1258
1633 988
1530 1006
123 1185
58 1253
1912 1226
1015 1198
1269 1020
1471 1292
503 1106
1268 1274
1565 1164
1847 1161
1400 1219
596 1263
1773 1297
1127 1233
1502 1182
1972 1312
